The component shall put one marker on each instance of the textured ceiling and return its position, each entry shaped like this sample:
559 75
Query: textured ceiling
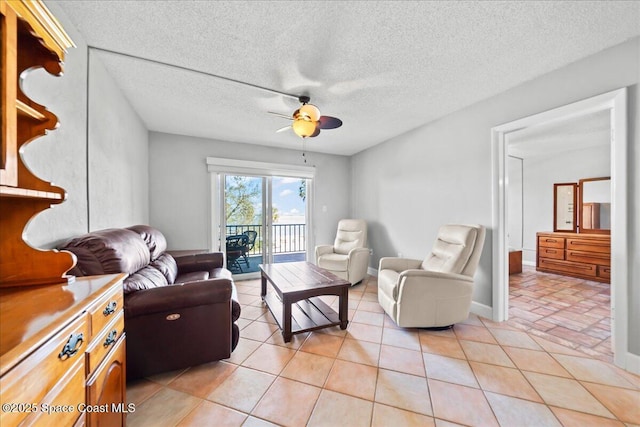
384 68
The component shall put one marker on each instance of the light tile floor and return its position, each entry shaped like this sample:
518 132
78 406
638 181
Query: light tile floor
569 311
479 373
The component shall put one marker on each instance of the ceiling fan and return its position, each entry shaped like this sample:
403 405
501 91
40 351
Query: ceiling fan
307 121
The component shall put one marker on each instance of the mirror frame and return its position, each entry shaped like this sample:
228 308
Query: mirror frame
575 207
589 230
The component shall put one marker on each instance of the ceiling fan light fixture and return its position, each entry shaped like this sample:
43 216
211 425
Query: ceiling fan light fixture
310 111
303 128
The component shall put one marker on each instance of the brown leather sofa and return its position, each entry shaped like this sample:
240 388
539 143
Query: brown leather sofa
179 312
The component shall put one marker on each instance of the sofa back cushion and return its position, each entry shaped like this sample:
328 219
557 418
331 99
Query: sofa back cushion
154 239
167 266
452 249
146 278
352 233
114 250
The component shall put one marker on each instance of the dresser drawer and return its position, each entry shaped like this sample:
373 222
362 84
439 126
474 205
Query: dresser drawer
588 245
604 271
60 406
568 267
106 309
553 253
589 257
31 380
104 341
551 242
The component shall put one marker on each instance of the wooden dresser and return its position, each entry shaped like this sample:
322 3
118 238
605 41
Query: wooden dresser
62 354
587 256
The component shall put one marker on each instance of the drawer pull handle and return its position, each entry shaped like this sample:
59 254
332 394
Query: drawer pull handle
72 346
550 251
551 240
110 308
111 338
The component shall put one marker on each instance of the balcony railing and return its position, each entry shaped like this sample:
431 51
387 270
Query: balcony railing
287 238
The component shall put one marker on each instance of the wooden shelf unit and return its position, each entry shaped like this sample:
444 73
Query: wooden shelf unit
31 38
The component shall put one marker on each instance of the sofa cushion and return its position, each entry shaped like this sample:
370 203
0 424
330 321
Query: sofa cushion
452 249
155 240
145 278
192 276
334 262
167 266
108 251
351 234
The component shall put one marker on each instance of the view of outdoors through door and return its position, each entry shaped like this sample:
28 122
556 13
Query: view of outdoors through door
251 236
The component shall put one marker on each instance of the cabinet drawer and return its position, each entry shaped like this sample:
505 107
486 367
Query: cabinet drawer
553 253
599 246
589 257
30 380
551 242
62 402
104 341
604 272
107 387
568 267
106 309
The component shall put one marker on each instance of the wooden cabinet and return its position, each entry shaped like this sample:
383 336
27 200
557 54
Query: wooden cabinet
61 363
587 256
31 38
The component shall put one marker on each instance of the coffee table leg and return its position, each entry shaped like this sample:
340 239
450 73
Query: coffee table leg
286 320
344 308
263 291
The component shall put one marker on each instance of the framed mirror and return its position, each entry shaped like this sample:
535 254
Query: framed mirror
564 207
595 205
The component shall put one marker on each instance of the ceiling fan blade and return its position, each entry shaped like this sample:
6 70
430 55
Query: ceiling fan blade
316 133
328 122
283 129
281 115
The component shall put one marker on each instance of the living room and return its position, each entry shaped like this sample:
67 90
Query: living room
118 171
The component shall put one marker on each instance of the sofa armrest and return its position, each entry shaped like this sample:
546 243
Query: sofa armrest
323 250
398 264
200 262
176 297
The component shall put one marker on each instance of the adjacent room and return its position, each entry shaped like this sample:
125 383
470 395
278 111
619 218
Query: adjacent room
320 213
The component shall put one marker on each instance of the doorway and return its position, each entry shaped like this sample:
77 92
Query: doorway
615 103
260 213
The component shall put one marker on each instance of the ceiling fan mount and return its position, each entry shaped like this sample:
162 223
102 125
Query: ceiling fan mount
307 121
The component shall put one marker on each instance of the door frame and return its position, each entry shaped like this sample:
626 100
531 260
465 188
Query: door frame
218 166
615 102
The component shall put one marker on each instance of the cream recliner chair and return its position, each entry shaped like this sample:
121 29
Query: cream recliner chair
348 258
437 291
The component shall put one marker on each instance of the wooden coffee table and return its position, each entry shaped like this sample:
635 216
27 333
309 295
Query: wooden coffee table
296 305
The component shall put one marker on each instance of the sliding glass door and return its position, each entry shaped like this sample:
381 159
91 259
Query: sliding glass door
263 219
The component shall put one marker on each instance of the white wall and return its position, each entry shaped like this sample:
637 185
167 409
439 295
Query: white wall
118 155
441 172
180 201
114 191
541 172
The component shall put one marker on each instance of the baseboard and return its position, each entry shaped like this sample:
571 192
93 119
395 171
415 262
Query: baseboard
633 363
372 271
482 310
529 263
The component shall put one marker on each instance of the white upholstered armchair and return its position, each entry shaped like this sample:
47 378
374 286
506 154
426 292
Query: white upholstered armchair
436 291
348 258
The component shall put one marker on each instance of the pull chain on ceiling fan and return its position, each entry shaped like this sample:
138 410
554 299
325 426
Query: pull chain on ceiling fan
307 121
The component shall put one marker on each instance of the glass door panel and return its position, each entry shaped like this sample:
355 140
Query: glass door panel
243 229
288 219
